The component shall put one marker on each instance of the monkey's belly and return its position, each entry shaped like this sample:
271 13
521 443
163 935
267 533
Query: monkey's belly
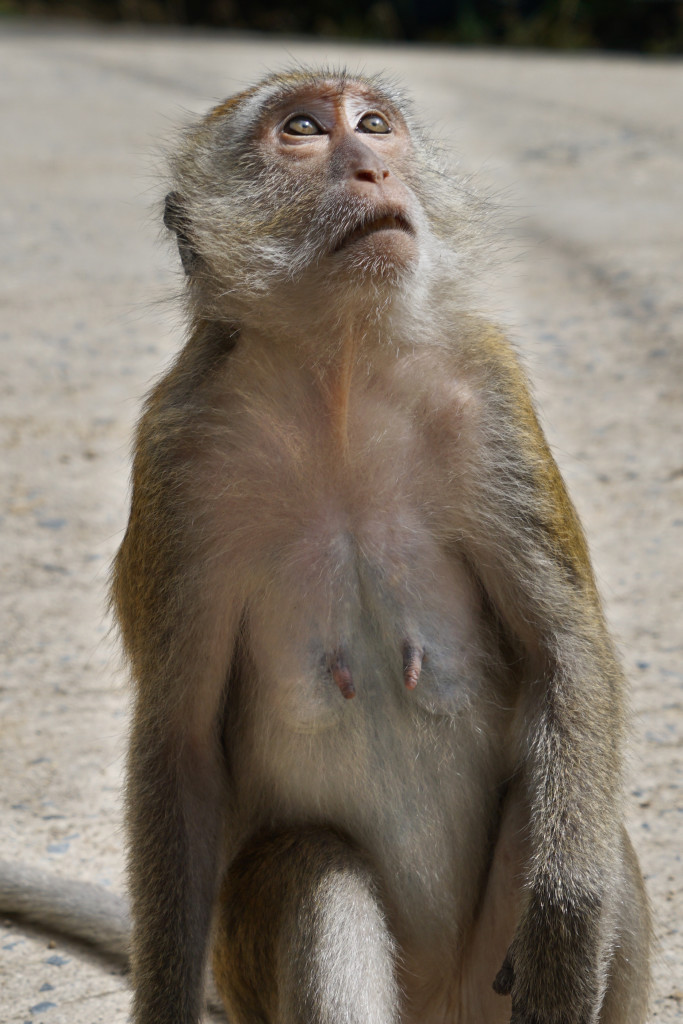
386 766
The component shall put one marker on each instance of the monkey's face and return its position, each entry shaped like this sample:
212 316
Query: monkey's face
308 192
344 150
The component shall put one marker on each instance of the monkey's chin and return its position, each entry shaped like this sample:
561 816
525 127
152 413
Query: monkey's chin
388 252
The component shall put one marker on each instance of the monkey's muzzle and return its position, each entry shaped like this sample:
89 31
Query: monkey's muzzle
371 225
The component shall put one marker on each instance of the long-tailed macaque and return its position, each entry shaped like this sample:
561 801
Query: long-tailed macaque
375 762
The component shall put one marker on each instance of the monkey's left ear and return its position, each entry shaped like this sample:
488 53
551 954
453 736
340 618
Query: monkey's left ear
176 219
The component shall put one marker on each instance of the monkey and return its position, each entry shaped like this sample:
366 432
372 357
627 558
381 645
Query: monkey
90 913
375 761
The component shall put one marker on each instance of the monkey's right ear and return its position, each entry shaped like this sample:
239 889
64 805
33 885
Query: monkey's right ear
176 219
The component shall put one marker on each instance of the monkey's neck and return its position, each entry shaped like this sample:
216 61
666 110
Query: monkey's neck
336 379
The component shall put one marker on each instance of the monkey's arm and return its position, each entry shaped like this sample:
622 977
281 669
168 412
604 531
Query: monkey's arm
179 624
530 554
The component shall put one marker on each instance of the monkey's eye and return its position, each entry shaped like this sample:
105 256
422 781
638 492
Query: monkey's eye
373 123
300 124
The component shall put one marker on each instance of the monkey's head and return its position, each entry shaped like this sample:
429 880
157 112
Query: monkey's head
308 191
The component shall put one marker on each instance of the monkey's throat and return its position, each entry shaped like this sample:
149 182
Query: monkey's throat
338 395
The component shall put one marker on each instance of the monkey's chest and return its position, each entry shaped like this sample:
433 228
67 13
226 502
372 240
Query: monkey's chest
360 620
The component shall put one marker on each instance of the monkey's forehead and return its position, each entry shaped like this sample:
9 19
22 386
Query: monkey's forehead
278 88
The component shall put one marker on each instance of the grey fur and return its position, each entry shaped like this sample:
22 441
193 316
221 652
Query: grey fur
77 909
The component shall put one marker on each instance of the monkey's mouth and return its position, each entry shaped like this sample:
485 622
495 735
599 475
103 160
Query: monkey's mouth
371 225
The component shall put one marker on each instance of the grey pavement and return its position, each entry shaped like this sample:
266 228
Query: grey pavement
582 158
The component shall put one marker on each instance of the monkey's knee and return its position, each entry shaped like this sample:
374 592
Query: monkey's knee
628 981
301 936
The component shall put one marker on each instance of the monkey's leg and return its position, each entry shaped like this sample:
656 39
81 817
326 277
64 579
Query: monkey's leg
626 964
301 936
496 918
628 984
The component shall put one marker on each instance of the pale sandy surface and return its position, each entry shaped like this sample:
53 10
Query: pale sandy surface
586 158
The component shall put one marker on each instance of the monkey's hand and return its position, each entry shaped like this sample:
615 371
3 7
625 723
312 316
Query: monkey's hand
552 968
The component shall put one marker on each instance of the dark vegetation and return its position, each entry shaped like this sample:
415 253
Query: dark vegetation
643 26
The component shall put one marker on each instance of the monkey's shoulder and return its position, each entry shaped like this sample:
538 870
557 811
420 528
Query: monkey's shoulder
470 375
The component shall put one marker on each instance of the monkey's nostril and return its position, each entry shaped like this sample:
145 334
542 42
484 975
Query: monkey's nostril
371 174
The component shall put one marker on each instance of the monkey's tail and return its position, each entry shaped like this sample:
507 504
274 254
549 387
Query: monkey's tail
78 910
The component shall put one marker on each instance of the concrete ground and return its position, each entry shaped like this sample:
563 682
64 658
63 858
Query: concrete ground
583 155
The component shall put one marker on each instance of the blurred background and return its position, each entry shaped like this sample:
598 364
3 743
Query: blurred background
641 26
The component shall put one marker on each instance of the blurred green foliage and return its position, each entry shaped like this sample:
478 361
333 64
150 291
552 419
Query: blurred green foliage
654 26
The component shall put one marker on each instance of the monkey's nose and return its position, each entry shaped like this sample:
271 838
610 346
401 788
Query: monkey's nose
354 161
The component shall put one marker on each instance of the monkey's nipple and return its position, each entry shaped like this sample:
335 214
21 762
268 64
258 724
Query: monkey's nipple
341 673
413 656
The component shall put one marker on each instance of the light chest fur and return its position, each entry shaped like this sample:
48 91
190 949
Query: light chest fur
350 550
